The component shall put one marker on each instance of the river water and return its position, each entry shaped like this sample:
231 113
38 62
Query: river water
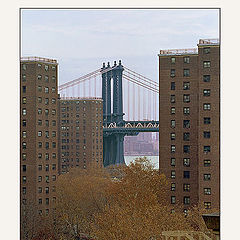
153 159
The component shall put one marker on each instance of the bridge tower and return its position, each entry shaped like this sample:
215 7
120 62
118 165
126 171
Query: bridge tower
113 152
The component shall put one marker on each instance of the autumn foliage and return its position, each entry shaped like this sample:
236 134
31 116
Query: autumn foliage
122 203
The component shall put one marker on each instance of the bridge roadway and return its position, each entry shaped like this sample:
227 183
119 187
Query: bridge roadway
130 127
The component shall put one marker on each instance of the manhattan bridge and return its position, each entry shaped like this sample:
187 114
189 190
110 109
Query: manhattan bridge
130 104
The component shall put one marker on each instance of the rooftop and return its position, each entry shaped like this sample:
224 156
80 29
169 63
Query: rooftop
38 59
80 98
213 41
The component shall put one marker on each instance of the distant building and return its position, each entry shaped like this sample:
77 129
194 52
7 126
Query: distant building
80 132
38 137
190 123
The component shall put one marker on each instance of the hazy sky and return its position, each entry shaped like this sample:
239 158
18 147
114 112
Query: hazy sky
82 39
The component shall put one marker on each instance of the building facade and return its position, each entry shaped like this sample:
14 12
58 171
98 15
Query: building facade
38 137
189 122
80 132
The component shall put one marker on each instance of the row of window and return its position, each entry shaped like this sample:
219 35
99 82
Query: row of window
66 109
186 162
46 67
54 156
24 122
186 72
186 174
24 145
186 135
186 201
40 134
186 149
40 167
24 178
186 188
186 123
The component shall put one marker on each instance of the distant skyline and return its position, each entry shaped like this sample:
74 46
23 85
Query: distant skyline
82 39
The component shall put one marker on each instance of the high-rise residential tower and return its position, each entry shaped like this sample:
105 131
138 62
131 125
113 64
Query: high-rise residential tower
38 138
189 122
80 132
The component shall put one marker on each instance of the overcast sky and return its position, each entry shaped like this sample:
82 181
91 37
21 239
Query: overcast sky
82 39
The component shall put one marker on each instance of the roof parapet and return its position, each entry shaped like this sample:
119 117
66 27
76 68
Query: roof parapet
213 41
38 59
178 51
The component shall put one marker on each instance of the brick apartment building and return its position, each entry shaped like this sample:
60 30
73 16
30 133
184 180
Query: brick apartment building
80 133
38 136
190 123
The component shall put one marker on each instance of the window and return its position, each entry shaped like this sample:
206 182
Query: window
24 123
24 156
186 110
39 201
173 174
206 50
186 98
39 155
186 72
186 162
46 67
53 133
54 155
54 177
39 178
186 85
47 201
53 89
54 144
24 67
186 123
24 168
47 123
186 136
39 111
46 190
207 163
173 123
47 168
53 79
207 120
24 145
46 90
173 162
54 167
47 156
24 179
47 145
46 112
173 186
173 110
39 77
172 99
46 78
206 92
186 174
24 89
173 60
186 148
206 64
24 190
206 149
207 191
24 111
206 134
53 68
39 167
24 100
39 189
173 199
207 205
172 73
39 144
47 179
173 148
46 101
39 99
173 136
53 100
206 78
207 177
39 133
186 187
39 88
206 106
24 134
186 200
173 86
186 59
53 112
